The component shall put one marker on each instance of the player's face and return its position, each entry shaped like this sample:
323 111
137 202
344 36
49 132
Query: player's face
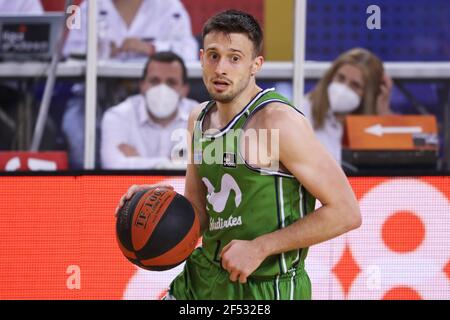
352 77
228 63
169 73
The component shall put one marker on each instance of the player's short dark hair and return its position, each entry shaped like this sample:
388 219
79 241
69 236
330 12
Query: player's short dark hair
234 21
166 57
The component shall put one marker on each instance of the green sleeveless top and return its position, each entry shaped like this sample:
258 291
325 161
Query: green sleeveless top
244 202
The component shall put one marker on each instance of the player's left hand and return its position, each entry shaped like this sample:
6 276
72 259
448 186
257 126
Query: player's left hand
240 258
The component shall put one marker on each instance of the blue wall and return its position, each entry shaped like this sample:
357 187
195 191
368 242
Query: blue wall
411 30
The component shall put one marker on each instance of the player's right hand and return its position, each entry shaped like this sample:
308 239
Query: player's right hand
135 188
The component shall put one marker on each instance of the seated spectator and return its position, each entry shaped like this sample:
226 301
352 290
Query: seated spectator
354 84
136 29
139 28
137 133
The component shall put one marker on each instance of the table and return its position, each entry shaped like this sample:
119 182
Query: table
270 70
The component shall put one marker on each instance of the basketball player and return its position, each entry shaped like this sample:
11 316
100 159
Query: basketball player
257 212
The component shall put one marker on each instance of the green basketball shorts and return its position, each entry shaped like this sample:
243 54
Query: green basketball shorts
203 280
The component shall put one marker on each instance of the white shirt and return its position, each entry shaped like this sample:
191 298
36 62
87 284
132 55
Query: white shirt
21 7
330 135
165 22
129 123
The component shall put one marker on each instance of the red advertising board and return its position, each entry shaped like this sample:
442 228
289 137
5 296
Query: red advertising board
57 236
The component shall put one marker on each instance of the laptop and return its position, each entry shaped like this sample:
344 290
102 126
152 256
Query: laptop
29 37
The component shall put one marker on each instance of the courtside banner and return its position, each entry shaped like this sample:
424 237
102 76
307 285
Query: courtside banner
57 241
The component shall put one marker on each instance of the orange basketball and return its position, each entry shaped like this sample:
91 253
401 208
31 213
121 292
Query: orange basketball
157 229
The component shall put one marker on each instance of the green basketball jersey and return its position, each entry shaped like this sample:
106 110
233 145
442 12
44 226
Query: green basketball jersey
244 202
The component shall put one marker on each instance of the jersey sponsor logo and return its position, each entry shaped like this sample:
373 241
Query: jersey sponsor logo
229 160
224 224
218 201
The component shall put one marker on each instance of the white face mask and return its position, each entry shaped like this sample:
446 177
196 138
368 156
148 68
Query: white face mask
342 98
162 101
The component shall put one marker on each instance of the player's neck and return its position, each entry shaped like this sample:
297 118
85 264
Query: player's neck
227 111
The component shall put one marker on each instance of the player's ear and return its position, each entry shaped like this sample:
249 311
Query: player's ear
257 64
202 53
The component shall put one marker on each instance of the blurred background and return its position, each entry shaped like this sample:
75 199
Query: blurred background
72 139
411 38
